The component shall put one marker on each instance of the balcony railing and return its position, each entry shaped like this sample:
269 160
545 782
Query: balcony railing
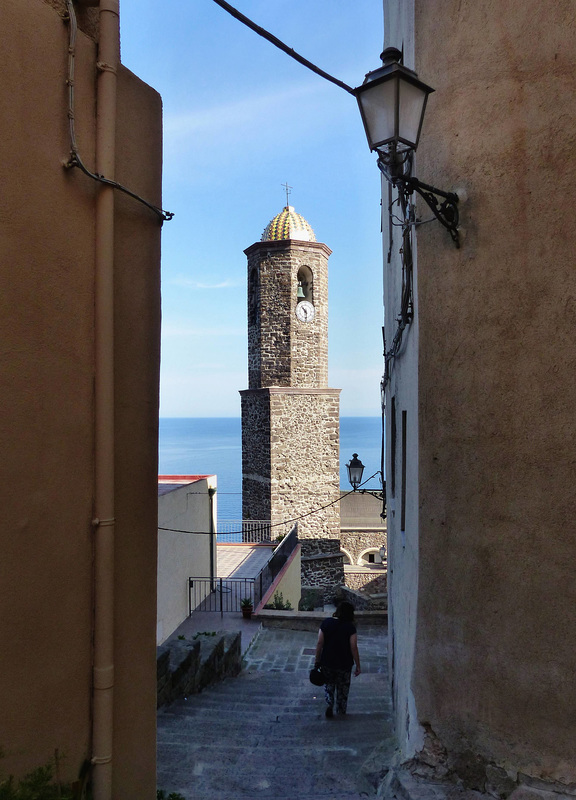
224 594
250 531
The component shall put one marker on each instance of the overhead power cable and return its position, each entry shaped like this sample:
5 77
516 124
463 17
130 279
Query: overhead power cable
280 44
75 160
276 524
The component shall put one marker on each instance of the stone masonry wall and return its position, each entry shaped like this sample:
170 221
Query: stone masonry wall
282 350
189 665
256 497
290 419
310 339
357 541
322 566
290 458
269 289
305 460
369 580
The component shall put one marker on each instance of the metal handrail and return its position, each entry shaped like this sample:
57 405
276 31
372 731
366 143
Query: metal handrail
270 570
250 531
226 594
219 594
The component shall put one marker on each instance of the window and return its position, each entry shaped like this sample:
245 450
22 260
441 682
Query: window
393 436
403 500
371 556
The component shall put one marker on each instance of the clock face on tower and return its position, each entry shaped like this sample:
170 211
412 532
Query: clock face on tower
305 311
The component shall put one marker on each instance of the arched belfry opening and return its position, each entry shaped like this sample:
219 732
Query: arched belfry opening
305 285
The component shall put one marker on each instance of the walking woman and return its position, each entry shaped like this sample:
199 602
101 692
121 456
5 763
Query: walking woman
337 653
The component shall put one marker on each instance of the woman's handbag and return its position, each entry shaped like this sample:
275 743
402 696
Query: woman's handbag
317 676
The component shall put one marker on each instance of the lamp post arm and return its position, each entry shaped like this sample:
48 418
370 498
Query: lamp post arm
379 495
446 212
444 205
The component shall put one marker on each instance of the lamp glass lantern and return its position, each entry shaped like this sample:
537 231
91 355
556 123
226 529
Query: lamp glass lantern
355 471
392 103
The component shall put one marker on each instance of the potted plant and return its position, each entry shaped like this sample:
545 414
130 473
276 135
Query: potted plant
246 606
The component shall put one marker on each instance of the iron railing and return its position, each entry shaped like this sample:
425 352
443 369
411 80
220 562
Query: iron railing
225 594
270 570
251 531
219 594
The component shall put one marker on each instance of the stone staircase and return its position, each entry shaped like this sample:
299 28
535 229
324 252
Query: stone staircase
264 735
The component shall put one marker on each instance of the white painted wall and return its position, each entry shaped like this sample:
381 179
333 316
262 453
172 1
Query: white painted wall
403 387
186 507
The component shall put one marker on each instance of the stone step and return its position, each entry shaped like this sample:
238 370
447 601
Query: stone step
253 716
262 698
269 681
251 733
259 791
239 696
265 735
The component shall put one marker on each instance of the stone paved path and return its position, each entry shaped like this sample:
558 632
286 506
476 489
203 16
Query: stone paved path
264 734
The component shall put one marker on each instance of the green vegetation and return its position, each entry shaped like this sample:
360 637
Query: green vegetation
278 603
311 599
203 633
246 602
43 783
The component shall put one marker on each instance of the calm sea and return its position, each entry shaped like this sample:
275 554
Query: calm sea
214 446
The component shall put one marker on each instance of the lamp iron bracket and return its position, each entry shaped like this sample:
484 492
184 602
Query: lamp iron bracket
379 496
444 205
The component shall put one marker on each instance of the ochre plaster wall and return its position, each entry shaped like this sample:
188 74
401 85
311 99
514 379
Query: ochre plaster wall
289 584
137 364
494 662
47 271
46 426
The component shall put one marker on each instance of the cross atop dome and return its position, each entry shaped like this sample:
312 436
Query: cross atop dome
288 190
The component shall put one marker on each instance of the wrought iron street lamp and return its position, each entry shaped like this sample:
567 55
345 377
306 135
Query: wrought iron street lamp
355 469
392 103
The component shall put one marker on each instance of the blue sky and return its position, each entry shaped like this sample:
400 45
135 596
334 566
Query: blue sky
240 119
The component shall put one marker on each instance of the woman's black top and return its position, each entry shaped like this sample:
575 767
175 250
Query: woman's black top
336 652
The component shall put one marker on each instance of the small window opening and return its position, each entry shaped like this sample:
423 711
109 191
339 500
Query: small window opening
403 489
253 297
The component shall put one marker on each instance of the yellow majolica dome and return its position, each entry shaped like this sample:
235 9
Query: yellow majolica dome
288 225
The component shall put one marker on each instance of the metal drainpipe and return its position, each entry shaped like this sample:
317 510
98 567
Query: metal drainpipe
104 522
211 493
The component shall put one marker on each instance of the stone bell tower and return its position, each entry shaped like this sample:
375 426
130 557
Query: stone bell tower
290 418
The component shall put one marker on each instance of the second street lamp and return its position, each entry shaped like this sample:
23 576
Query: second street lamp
355 469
